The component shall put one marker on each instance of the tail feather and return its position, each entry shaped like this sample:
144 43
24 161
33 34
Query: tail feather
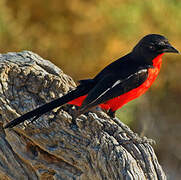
47 107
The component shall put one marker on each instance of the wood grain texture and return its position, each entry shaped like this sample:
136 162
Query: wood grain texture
100 148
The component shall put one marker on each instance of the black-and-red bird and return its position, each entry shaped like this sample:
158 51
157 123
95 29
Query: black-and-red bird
120 82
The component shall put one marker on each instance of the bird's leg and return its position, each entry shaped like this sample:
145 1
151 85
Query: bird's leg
111 113
76 114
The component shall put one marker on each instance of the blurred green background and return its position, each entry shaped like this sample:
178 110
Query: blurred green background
82 37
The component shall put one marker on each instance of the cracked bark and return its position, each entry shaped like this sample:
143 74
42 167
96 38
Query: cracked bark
101 148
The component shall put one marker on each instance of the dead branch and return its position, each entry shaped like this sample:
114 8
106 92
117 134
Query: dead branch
100 148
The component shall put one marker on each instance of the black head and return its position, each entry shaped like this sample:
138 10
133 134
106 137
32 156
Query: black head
151 46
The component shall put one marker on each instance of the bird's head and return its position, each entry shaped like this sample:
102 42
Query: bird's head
151 46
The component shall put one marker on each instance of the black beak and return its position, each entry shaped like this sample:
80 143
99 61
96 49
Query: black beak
170 48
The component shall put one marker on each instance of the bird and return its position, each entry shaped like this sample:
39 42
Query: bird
118 83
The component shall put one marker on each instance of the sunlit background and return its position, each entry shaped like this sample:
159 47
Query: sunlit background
82 37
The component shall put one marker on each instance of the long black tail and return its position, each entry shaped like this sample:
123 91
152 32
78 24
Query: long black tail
48 107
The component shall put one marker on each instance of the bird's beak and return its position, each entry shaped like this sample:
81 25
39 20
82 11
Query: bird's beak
170 48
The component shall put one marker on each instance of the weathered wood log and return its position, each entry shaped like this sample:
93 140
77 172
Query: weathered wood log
100 148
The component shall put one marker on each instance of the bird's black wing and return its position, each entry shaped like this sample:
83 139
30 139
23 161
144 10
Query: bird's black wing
112 86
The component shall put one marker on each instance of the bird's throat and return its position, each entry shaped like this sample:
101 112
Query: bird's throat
158 61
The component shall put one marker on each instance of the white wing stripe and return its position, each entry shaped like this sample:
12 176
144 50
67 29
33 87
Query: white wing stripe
118 82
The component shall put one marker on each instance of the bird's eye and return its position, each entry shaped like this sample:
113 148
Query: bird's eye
152 48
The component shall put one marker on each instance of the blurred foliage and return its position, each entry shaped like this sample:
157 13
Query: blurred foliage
82 37
77 34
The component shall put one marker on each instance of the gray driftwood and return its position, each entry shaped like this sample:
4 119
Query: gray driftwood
100 148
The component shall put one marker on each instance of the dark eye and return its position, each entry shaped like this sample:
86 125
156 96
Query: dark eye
152 48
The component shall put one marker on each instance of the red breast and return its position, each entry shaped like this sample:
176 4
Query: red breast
119 101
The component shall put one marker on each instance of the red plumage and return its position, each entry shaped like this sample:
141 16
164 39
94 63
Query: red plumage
123 99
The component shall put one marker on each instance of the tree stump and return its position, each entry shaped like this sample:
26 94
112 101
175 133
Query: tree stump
100 148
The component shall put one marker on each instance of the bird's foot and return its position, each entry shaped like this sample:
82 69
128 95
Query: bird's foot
111 113
74 125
